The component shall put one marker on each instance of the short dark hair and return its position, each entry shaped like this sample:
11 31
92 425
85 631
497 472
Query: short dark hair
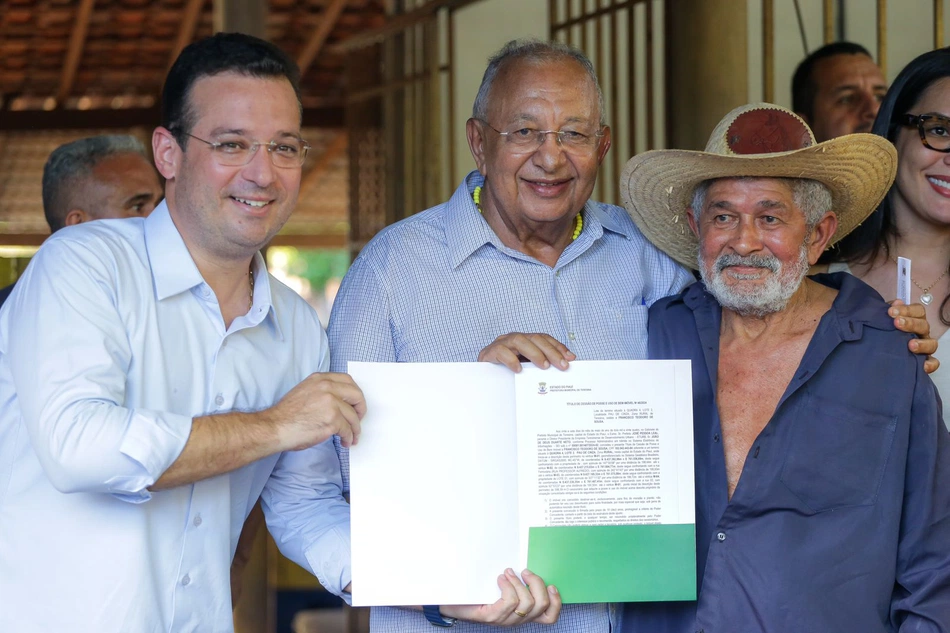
869 240
221 53
804 88
68 164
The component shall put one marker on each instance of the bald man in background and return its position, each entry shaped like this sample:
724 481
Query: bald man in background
97 178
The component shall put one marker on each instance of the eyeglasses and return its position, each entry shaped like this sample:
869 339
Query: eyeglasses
236 152
934 130
528 139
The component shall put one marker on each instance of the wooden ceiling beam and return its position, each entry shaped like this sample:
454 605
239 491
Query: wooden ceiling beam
398 23
330 117
322 163
240 16
77 40
186 33
327 21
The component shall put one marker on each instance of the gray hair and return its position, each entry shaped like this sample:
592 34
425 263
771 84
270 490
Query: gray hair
811 196
532 51
70 163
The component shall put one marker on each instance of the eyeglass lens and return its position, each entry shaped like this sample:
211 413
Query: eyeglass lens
238 151
570 140
935 131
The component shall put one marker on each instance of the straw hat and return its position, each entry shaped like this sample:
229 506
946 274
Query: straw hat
757 140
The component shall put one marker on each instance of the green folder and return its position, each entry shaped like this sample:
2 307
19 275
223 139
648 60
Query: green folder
616 563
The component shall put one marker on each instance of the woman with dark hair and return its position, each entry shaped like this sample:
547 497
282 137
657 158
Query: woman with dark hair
913 221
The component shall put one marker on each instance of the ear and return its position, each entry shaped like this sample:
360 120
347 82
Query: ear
821 235
691 219
605 143
167 153
76 216
476 143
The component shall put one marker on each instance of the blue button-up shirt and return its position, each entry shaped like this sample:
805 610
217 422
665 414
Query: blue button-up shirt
110 344
841 518
440 286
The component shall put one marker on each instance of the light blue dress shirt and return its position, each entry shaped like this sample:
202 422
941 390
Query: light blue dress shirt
110 344
440 286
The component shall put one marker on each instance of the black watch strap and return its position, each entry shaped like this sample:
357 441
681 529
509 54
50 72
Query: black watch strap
435 618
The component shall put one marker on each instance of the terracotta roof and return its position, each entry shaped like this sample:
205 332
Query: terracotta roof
57 86
129 45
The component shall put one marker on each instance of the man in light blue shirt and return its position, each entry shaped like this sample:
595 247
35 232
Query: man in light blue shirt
155 381
519 247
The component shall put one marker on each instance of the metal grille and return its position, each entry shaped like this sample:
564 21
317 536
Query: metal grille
623 38
398 107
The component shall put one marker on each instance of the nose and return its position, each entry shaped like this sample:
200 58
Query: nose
747 239
260 170
869 106
549 154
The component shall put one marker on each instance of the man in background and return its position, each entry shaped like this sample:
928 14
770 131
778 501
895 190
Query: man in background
95 178
837 90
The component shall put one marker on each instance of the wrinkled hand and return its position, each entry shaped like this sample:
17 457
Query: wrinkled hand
321 406
541 349
538 603
913 319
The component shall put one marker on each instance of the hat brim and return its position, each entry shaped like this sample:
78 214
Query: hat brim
657 186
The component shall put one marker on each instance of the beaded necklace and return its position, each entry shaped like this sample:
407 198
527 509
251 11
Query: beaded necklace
578 224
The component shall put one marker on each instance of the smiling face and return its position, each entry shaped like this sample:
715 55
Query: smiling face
849 93
921 193
548 185
755 245
228 212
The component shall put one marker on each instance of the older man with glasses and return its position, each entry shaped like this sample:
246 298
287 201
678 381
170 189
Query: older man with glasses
156 381
519 247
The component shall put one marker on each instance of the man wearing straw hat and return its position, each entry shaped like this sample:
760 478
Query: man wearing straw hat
821 458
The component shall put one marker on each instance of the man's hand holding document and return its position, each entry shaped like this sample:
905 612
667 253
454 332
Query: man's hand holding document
583 476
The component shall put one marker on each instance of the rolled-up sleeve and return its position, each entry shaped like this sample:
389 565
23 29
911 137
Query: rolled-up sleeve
307 516
922 600
69 354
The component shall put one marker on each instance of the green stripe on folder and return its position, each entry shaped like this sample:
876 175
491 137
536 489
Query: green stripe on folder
616 563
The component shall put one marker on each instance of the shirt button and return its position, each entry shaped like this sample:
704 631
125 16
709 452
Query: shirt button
570 335
219 399
557 273
721 536
197 520
716 438
186 580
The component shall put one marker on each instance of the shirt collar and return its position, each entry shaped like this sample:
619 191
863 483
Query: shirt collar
467 231
856 306
174 271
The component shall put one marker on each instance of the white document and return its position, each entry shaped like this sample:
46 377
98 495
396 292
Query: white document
458 460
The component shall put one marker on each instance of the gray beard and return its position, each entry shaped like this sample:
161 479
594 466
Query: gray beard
766 298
